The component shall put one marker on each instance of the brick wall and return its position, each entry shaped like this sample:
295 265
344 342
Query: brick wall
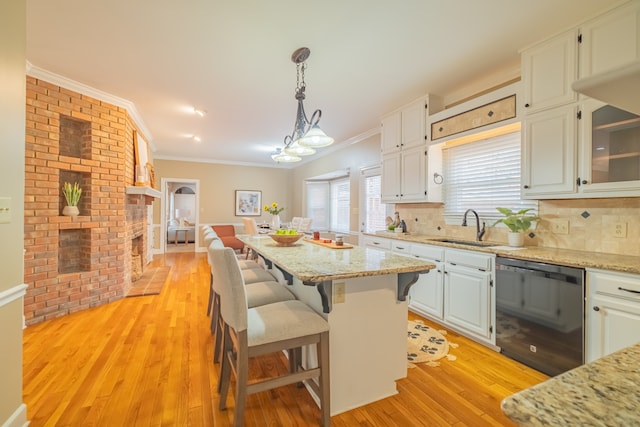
74 263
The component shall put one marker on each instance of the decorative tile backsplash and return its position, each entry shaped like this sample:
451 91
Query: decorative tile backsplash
595 225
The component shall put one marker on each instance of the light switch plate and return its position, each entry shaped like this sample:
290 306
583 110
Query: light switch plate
5 210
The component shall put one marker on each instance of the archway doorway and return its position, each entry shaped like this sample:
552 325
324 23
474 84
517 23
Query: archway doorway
180 215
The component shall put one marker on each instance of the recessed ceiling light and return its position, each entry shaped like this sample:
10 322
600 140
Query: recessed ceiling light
196 138
199 112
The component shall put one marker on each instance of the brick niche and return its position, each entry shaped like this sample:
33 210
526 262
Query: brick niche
74 263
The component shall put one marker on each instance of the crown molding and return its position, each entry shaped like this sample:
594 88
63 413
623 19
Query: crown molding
67 83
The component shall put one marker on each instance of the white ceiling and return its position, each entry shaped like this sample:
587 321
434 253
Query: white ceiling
232 59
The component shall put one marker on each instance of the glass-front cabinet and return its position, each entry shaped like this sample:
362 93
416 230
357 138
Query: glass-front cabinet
610 143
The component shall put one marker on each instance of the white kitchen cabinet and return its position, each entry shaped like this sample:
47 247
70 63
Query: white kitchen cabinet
549 151
612 312
548 70
376 242
610 40
560 157
404 128
609 150
391 133
404 152
426 296
468 293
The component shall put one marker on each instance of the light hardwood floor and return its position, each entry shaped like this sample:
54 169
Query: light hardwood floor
147 361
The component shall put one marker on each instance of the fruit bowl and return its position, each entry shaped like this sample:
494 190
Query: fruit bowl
286 239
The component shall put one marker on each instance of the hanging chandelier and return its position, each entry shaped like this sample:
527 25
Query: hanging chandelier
306 135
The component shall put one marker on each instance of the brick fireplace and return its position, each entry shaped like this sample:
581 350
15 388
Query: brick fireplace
74 263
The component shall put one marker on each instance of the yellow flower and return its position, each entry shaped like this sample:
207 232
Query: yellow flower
274 209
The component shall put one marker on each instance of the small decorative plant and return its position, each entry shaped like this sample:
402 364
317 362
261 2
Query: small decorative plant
72 193
517 221
274 209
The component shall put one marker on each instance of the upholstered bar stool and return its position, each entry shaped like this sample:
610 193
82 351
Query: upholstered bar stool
257 294
271 328
209 237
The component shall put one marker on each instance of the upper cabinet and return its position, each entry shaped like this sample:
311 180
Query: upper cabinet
610 41
404 152
575 146
548 70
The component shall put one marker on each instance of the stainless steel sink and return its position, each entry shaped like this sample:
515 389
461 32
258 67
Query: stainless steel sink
466 242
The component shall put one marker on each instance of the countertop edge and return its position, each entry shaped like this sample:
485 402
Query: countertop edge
567 257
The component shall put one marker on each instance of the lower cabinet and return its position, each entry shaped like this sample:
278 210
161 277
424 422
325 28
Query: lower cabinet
459 292
468 293
612 312
426 295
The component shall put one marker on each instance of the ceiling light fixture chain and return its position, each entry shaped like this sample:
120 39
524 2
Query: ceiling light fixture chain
306 135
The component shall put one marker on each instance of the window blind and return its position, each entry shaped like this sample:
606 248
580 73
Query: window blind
374 209
340 205
483 175
317 203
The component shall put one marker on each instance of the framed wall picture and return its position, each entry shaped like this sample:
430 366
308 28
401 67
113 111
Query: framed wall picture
248 203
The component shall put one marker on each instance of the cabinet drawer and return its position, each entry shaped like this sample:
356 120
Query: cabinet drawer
373 242
435 253
469 259
401 248
619 285
494 112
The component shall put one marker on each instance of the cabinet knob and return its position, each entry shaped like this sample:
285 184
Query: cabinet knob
596 308
526 187
584 181
526 105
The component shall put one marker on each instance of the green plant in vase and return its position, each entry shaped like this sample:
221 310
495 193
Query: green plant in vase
72 195
518 222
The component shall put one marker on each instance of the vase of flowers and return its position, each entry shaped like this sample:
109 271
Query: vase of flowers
72 195
274 210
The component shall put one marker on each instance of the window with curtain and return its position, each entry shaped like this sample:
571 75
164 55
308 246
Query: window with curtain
483 175
328 204
374 211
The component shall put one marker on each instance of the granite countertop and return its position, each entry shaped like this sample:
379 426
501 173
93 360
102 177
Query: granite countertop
571 258
601 393
313 263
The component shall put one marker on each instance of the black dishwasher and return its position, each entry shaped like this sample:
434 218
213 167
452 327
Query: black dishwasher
540 314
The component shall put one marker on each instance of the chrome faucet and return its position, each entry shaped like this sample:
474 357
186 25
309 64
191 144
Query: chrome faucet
479 232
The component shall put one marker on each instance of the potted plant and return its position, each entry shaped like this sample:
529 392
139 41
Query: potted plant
72 195
517 222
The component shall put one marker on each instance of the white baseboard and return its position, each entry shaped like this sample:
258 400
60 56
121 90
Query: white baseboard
18 418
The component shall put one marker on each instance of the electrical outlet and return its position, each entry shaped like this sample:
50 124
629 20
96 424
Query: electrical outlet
560 226
620 229
338 293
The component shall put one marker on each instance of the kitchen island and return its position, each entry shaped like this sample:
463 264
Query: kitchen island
362 293
605 392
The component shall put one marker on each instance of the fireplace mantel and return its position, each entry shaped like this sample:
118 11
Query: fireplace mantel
144 190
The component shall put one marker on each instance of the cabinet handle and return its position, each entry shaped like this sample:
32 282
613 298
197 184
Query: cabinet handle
526 105
526 187
400 248
628 290
596 308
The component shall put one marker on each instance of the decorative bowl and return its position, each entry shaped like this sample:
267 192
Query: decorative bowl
286 239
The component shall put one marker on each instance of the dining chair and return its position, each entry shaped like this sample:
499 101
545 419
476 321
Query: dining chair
271 328
305 225
295 222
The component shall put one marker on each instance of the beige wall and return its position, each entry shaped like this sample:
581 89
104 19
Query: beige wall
218 183
356 156
12 137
